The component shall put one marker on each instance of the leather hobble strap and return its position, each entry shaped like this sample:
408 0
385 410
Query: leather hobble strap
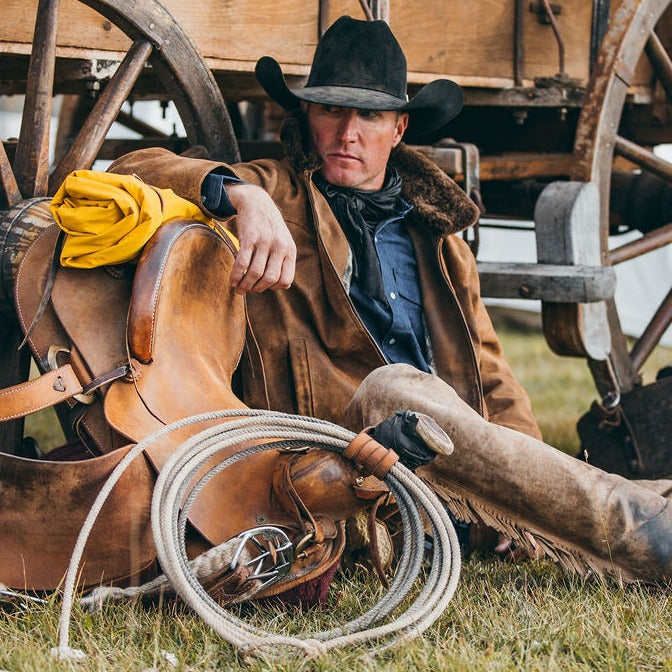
285 494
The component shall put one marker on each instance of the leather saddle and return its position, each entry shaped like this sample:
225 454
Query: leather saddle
150 344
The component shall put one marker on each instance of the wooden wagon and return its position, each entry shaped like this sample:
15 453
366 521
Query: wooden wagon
568 93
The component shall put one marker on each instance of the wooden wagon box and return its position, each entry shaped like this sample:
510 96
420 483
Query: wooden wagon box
471 42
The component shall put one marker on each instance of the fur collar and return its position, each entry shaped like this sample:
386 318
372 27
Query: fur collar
439 203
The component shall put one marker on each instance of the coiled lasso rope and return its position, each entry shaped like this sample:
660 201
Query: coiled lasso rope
171 504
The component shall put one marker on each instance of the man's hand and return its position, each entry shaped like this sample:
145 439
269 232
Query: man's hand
267 255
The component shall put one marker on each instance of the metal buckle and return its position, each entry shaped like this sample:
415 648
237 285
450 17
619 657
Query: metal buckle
272 564
52 361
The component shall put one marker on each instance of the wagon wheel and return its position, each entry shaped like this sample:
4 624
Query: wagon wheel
25 182
632 32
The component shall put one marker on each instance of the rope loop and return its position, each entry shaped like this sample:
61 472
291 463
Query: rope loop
181 479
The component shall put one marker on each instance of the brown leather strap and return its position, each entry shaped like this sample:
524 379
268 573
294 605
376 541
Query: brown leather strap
285 494
371 456
48 287
49 389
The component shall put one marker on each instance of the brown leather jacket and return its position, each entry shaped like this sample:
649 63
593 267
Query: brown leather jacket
307 348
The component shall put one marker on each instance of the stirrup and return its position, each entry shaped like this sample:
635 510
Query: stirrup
275 557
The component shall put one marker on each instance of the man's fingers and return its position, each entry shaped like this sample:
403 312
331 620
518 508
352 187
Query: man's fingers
264 261
241 264
254 271
267 271
287 272
270 275
267 254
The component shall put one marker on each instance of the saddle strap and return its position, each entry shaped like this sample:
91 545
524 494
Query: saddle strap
49 389
52 388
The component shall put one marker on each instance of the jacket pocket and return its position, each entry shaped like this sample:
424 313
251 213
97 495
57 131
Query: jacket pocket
303 384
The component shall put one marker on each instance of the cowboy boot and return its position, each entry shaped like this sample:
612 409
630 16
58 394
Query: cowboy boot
579 515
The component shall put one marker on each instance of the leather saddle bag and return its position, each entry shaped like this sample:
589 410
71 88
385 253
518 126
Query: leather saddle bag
631 439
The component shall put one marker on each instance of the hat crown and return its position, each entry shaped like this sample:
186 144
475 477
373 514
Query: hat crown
360 54
360 64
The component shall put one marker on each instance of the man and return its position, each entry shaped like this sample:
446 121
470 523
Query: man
384 310
380 278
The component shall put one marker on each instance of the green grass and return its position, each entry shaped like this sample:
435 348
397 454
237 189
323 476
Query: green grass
527 616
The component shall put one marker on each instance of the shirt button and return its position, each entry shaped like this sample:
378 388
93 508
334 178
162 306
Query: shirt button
392 341
393 295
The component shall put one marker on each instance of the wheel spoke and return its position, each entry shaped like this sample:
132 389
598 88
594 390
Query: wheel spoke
643 157
653 333
647 243
10 194
661 63
31 164
83 151
139 126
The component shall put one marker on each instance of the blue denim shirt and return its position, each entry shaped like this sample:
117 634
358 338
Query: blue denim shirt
214 196
398 326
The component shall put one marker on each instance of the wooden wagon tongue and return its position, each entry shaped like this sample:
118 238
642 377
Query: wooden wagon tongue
181 330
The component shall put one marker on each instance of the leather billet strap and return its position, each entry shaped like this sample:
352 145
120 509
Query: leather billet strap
52 388
370 456
48 287
48 390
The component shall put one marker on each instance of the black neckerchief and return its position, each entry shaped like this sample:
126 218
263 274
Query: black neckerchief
359 212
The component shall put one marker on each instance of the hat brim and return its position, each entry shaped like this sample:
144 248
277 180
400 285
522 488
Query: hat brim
431 108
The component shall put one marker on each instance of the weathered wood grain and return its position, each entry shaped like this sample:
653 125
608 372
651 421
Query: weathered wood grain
471 40
547 282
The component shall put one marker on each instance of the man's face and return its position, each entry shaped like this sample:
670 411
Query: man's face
354 144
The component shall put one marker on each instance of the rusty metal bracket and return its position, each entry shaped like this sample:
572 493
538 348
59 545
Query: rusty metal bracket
599 27
366 8
323 17
549 13
518 43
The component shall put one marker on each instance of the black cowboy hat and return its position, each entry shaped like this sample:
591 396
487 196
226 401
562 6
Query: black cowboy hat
360 64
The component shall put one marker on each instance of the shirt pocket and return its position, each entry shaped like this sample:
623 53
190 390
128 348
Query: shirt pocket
408 287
